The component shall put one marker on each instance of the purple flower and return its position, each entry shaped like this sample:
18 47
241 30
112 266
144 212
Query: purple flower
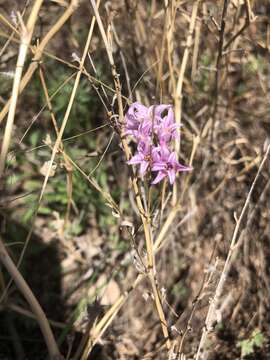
153 129
156 111
166 130
135 115
145 156
144 132
167 165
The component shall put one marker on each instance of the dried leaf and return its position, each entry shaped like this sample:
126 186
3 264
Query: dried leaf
45 168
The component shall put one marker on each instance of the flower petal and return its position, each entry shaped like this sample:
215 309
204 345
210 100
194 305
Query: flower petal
171 175
144 146
160 176
172 158
143 167
137 112
170 116
139 109
185 168
157 166
165 152
136 159
157 110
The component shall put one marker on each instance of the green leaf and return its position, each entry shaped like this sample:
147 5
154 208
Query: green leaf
34 138
247 347
44 210
258 338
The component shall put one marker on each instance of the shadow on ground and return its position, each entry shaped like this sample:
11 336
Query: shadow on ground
20 336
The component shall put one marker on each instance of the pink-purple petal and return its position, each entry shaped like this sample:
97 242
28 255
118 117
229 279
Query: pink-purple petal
143 167
153 130
138 110
158 166
171 175
157 110
136 159
165 152
160 176
185 168
172 158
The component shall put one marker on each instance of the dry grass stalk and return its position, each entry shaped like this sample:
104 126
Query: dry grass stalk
68 166
58 140
38 52
26 36
99 328
179 86
69 107
145 216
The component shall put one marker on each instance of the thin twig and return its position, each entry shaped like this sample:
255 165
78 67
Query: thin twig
218 63
249 18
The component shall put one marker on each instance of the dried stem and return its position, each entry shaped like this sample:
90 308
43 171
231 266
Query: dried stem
145 216
178 96
249 18
26 36
218 63
56 146
39 52
68 166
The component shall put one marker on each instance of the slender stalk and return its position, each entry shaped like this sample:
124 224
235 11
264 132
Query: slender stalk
145 218
26 36
179 86
69 107
249 18
68 166
98 330
159 242
218 64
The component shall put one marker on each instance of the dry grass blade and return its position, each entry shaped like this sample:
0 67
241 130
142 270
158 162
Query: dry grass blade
56 145
26 36
39 52
68 110
107 196
179 86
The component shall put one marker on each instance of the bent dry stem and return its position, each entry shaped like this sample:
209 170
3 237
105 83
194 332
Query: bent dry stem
32 301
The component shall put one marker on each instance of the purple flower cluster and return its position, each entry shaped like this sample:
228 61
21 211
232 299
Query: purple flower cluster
153 129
